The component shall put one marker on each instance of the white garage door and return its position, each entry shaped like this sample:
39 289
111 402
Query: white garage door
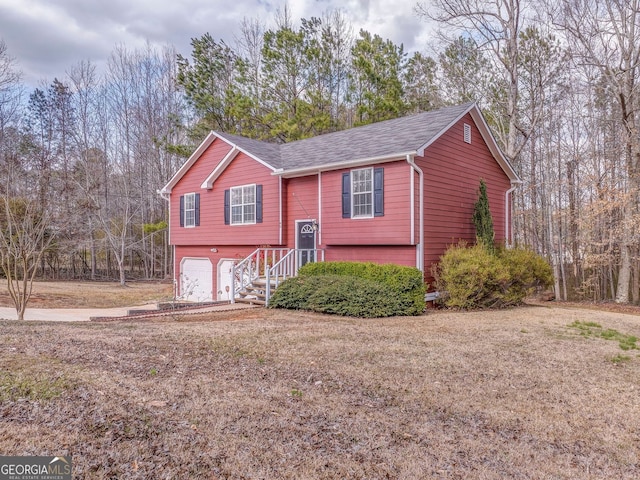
196 280
224 278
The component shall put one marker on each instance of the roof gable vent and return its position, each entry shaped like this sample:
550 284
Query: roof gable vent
467 133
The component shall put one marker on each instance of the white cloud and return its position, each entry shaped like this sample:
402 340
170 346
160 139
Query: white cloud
48 37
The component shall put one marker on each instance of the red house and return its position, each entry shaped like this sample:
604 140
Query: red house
398 191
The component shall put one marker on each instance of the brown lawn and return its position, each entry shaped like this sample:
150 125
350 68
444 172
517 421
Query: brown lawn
262 394
91 294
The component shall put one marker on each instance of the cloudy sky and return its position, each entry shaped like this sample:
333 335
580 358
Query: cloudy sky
48 37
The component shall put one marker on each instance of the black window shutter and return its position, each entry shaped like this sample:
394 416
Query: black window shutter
258 203
197 209
346 195
378 192
182 210
227 207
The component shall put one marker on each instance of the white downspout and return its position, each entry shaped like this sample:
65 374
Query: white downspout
167 196
420 251
320 208
280 209
508 232
412 210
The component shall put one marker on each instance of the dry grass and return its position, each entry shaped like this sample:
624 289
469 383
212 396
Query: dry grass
91 294
288 395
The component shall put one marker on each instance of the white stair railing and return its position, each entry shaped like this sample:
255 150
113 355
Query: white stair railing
288 267
252 267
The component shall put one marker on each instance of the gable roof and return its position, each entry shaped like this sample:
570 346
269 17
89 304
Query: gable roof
388 138
374 143
269 153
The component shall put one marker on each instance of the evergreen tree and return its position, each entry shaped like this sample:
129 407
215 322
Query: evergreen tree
422 92
466 72
210 83
376 89
482 219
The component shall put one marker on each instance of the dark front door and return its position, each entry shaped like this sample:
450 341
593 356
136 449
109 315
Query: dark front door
306 242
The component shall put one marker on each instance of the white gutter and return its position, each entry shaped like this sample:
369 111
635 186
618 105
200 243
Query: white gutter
508 232
420 249
224 163
303 171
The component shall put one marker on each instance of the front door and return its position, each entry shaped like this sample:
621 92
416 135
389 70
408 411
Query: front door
305 241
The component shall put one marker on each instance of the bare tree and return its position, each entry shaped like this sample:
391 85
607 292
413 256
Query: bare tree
10 89
24 238
87 170
10 103
495 25
606 35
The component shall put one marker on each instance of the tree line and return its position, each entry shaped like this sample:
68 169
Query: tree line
557 82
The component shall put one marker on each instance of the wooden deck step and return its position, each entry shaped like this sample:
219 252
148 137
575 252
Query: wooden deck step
262 282
251 301
255 293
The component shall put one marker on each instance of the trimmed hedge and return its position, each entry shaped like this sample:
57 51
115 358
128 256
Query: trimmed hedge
474 277
353 289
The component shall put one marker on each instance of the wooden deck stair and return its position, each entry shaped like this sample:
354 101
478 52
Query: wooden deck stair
249 276
255 292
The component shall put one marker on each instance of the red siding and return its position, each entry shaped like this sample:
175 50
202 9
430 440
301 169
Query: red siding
400 255
453 170
302 204
394 228
212 231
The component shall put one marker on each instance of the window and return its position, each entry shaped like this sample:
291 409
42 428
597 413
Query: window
243 205
190 210
363 193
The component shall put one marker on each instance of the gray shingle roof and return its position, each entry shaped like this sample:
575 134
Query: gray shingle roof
267 152
374 140
380 139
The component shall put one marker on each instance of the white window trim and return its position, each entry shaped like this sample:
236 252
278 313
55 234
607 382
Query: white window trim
467 133
255 211
192 223
353 194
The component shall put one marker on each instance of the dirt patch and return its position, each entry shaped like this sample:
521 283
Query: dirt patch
289 395
91 294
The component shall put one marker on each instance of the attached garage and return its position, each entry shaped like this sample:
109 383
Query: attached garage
196 279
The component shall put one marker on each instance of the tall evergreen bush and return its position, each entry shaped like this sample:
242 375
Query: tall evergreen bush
483 220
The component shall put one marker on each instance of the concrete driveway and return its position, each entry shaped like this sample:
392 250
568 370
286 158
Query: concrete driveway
67 314
85 314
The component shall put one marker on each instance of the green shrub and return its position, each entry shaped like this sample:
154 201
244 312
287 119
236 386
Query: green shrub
528 271
336 294
353 289
473 277
398 277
